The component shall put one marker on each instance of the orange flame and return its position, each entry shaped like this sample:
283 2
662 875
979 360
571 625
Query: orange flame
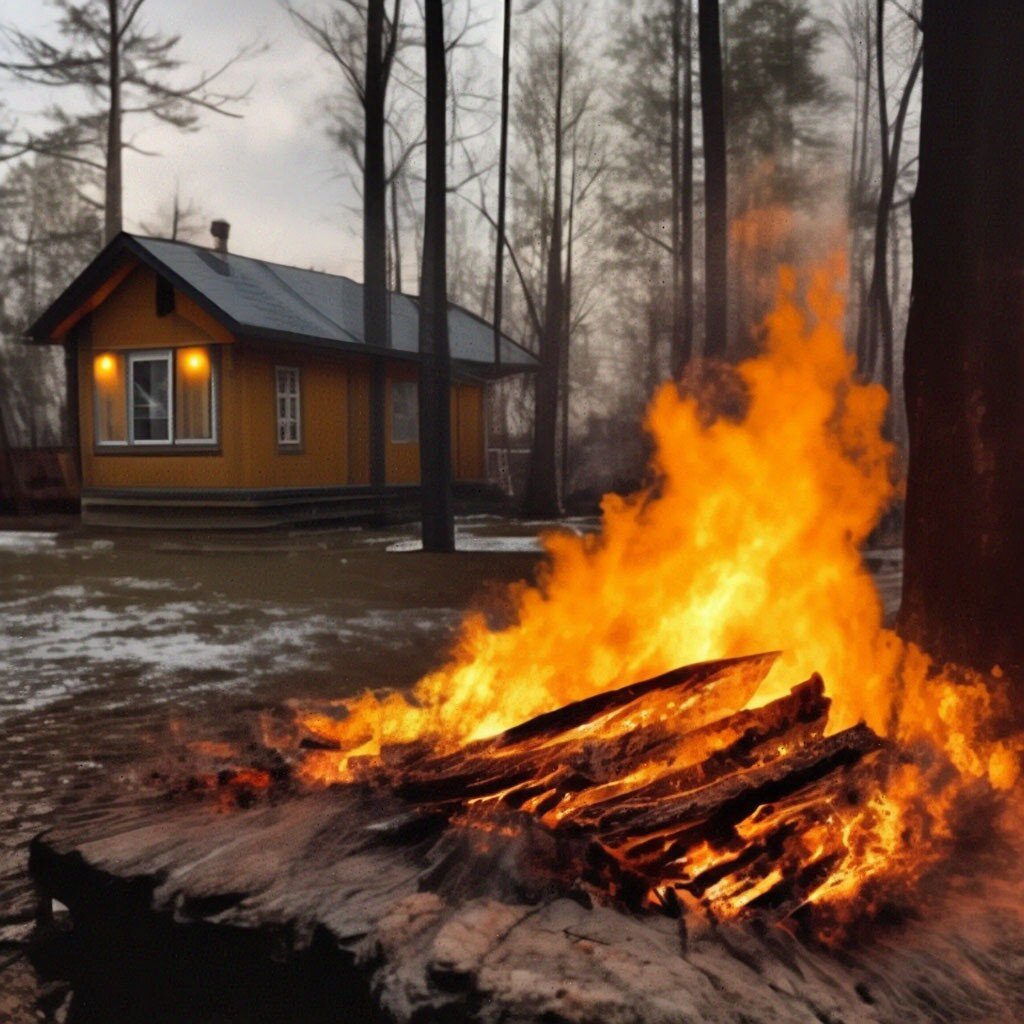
749 540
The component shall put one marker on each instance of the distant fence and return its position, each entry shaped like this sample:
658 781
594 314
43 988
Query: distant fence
38 476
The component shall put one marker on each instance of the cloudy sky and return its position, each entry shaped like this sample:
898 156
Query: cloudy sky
273 174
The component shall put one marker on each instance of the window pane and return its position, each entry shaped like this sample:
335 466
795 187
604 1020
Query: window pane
109 396
287 386
405 413
150 400
193 394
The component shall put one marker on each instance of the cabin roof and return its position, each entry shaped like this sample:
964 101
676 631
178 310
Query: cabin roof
271 301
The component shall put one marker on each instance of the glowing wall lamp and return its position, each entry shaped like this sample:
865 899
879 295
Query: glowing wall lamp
196 362
105 367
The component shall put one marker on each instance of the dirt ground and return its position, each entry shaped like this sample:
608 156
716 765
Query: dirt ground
110 641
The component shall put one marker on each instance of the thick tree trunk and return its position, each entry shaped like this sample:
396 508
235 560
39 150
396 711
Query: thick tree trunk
375 227
963 592
712 94
542 498
112 215
435 373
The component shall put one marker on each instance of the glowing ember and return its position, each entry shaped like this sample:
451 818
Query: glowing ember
749 540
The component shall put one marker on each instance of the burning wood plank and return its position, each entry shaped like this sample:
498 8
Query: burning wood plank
639 715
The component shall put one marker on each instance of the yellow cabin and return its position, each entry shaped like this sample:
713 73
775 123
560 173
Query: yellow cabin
206 387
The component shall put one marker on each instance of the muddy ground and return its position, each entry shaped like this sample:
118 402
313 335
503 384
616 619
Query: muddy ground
110 643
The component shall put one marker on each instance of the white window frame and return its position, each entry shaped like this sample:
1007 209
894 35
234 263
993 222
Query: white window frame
414 439
288 373
155 356
214 437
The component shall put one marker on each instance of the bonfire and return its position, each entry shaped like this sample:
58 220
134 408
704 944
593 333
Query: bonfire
823 778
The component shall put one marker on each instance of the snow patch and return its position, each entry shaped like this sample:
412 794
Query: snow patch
26 542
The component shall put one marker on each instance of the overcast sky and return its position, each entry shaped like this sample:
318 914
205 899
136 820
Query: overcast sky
273 174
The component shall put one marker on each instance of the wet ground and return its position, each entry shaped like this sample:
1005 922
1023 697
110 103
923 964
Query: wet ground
109 642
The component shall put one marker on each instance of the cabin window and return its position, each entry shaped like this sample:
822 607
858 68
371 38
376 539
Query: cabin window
149 397
156 397
289 407
194 395
405 412
111 405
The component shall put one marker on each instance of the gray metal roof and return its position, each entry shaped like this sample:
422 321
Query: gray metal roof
270 298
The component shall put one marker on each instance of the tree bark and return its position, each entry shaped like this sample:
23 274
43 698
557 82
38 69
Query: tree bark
963 590
712 94
435 372
375 228
112 208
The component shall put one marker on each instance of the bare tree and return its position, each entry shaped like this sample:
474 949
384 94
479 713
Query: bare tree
852 21
362 39
880 332
500 230
554 95
716 249
435 371
653 106
123 69
47 234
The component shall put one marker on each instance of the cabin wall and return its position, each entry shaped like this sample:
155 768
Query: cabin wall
402 459
469 459
335 408
321 459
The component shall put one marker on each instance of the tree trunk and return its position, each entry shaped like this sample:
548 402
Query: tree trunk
566 339
860 200
712 94
542 498
675 170
435 373
499 252
963 590
685 353
112 215
375 227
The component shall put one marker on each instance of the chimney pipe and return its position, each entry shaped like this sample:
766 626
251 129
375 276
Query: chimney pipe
220 229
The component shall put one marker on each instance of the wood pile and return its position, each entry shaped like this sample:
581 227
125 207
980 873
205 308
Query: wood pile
643 793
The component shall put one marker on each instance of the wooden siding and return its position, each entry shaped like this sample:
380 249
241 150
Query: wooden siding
335 409
468 456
